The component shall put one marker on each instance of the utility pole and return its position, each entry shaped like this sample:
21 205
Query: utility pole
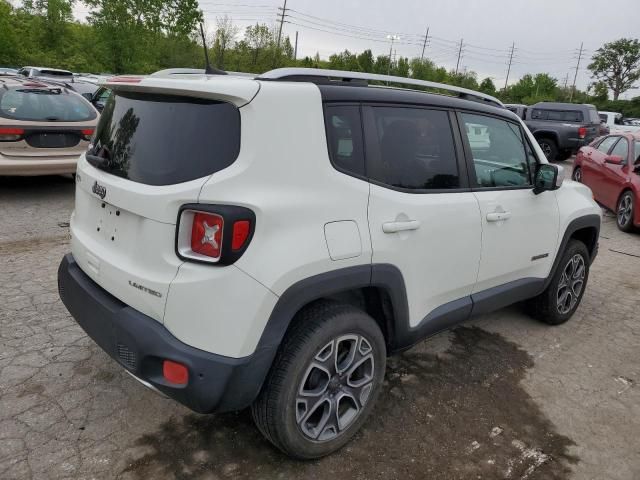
575 77
459 55
295 49
393 38
424 45
277 53
513 47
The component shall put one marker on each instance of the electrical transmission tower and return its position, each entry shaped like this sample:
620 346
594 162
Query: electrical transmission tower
459 55
575 76
283 11
424 45
506 81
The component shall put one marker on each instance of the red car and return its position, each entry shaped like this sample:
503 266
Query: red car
610 166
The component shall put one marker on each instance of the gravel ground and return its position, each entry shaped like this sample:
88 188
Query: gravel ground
499 397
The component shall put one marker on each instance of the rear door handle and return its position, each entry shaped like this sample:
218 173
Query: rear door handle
497 216
393 227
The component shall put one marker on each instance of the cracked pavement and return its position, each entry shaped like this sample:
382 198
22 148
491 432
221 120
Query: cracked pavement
501 397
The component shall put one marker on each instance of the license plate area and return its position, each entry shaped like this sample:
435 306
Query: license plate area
108 222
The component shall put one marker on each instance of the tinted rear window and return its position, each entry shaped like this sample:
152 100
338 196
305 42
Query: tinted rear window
163 140
44 105
557 115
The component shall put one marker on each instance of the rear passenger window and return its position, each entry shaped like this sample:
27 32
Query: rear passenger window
410 148
499 152
344 136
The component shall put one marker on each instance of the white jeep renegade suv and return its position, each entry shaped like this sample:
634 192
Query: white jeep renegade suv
269 241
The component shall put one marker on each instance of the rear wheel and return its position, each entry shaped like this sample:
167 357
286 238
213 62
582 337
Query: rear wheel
560 300
577 174
549 148
324 381
625 212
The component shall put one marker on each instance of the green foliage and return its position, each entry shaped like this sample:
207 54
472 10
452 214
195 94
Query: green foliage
617 65
122 36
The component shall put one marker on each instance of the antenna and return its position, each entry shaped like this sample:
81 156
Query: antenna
208 69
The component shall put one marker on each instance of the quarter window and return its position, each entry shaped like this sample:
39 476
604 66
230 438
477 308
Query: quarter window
501 157
621 149
344 135
411 148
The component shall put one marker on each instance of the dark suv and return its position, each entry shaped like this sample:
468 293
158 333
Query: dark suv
562 128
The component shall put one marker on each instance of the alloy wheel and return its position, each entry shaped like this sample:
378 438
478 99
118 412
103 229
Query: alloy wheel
571 284
335 387
625 210
577 175
546 149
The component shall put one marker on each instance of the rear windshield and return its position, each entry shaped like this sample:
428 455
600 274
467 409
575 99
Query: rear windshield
44 105
164 140
557 115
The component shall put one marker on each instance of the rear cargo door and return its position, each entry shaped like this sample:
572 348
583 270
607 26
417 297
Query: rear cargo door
151 154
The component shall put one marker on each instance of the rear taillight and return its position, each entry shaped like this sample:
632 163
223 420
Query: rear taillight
10 134
87 133
213 233
582 132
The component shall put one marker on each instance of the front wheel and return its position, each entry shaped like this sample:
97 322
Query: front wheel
560 300
549 148
577 174
324 381
625 212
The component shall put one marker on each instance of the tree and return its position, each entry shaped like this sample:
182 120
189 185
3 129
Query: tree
258 38
487 86
617 64
226 33
366 61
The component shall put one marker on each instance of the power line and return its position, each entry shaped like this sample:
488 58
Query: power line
459 55
513 47
575 77
276 53
424 45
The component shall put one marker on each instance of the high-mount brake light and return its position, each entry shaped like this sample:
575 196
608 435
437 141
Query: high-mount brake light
11 134
213 233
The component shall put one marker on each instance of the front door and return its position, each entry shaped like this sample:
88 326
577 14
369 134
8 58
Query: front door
519 229
615 176
423 218
593 166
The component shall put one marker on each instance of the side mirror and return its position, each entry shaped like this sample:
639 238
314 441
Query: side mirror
613 159
99 105
548 177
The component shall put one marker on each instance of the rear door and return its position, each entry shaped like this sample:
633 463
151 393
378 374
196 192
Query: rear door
519 229
422 216
151 154
593 166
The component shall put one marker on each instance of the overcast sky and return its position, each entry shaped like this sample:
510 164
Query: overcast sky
547 33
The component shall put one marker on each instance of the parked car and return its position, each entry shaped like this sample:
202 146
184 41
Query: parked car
8 71
562 128
233 246
52 73
43 127
99 98
519 109
611 168
617 123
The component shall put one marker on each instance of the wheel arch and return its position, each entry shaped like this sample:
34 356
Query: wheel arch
546 134
377 289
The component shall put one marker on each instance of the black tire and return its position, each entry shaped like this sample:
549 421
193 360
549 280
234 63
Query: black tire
625 212
549 148
287 417
548 307
576 175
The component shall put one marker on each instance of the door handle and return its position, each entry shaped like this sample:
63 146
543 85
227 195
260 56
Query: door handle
497 216
393 227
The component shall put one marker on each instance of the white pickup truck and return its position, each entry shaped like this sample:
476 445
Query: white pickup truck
616 122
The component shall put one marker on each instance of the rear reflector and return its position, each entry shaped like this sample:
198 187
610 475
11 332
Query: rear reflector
241 231
10 134
174 372
206 234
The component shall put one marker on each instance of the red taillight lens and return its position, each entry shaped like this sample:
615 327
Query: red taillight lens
87 133
10 134
206 234
174 372
241 231
582 132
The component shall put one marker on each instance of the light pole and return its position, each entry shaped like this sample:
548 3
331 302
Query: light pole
393 38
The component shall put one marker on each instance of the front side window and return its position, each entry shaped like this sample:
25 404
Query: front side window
344 137
606 144
501 157
622 150
411 148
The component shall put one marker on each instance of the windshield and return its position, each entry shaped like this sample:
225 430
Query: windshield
44 105
164 140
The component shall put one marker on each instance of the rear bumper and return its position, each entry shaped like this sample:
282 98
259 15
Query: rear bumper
37 165
140 344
